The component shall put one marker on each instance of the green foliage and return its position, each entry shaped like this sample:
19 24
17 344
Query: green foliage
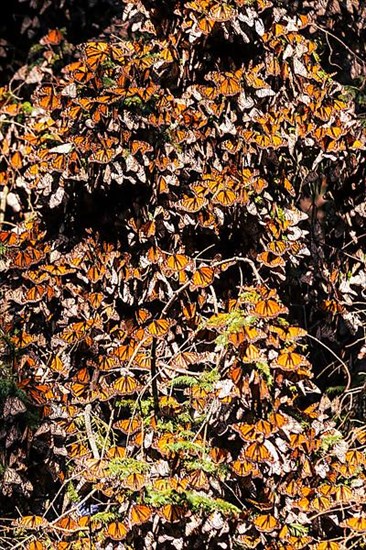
185 446
206 465
104 517
72 492
199 502
328 441
123 467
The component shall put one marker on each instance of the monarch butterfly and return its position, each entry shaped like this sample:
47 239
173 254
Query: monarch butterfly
162 444
236 374
106 362
247 541
269 259
225 197
95 468
297 440
263 141
332 306
192 204
67 523
259 185
320 504
355 457
9 238
202 277
25 258
53 38
198 480
177 262
357 523
35 545
146 93
134 481
346 470
208 92
333 132
36 293
228 83
32 522
172 512
169 405
289 361
326 489
13 406
246 334
183 359
159 328
16 161
263 505
246 431
139 514
12 109
360 434
237 338
290 489
41 393
206 25
125 351
232 147
289 333
96 53
142 360
258 452
106 152
95 273
126 385
72 334
277 247
128 426
277 420
78 450
198 5
58 270
140 146
269 309
250 353
116 452
243 468
116 530
218 455
81 392
265 523
287 185
22 340
47 98
199 397
221 12
327 545
57 365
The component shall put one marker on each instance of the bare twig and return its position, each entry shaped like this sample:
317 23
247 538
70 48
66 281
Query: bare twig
345 368
335 37
89 431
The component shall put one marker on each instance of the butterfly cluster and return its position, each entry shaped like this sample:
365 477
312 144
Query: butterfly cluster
144 304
